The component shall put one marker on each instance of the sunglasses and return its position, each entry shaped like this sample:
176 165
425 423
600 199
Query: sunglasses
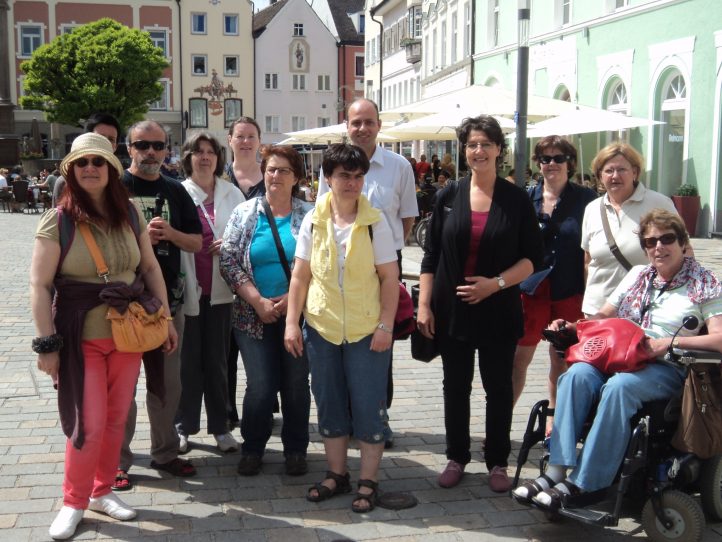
666 239
557 159
143 145
97 161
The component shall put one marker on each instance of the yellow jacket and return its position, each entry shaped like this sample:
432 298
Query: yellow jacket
352 313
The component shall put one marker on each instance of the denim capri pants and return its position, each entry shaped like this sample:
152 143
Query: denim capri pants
349 374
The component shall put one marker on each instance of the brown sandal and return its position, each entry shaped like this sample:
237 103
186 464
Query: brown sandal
343 485
369 498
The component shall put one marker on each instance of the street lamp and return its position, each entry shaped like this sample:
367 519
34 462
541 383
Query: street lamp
522 85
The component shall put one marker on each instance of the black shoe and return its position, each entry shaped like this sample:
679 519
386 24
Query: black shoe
296 465
249 465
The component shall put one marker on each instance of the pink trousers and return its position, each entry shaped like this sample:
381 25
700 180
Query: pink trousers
110 379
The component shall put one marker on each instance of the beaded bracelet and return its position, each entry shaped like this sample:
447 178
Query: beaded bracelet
45 345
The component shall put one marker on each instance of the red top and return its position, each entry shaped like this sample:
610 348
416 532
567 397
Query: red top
421 169
478 224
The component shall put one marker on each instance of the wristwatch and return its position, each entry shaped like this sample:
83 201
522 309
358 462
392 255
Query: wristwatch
501 281
384 327
675 343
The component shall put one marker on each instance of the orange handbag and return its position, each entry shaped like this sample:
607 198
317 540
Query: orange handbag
134 330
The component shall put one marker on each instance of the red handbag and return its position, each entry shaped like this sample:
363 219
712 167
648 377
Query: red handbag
612 345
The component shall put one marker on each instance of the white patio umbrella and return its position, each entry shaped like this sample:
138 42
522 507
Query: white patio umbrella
477 99
583 121
335 133
439 127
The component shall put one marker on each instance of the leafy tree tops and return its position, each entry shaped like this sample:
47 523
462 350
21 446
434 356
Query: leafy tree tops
99 66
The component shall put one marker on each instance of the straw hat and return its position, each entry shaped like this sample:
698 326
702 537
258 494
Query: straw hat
90 143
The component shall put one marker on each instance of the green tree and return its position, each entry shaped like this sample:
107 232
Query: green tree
99 66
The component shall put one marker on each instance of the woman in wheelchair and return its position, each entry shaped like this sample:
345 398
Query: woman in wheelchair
657 297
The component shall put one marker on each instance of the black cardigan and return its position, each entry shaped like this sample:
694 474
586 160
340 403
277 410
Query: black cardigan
511 234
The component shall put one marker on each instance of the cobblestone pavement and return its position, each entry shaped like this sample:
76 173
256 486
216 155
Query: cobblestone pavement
219 505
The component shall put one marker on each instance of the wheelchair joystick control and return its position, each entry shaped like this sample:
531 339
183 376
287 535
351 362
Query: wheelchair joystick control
689 322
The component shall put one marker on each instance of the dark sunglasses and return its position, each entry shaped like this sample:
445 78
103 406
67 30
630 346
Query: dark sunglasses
666 239
143 145
557 159
97 161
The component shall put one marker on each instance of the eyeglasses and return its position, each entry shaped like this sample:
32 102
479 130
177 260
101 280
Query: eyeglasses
611 171
282 171
97 161
486 147
143 145
666 239
557 159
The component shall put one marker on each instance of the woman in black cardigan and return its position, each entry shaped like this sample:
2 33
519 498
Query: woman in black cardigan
483 240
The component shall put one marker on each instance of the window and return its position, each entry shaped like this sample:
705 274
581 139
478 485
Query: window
230 25
298 29
272 124
495 24
566 12
199 64
271 82
233 108
31 37
442 63
68 28
160 40
671 136
621 4
454 37
198 23
198 116
361 23
359 66
162 103
230 66
324 82
323 121
467 30
298 123
414 22
299 81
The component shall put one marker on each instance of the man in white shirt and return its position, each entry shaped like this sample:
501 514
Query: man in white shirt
389 185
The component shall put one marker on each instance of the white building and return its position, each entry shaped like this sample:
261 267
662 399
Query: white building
296 74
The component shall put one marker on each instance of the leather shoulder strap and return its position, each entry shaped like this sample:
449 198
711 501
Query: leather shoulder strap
610 238
100 265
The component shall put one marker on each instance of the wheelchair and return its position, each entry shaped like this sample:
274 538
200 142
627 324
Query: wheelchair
652 471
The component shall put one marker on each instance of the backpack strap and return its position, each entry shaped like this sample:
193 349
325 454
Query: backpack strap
66 232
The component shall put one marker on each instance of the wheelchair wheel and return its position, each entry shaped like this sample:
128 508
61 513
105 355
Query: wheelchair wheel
711 487
686 516
420 233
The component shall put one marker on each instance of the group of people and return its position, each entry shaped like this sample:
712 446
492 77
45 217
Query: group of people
245 264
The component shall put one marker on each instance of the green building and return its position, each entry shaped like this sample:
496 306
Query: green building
657 59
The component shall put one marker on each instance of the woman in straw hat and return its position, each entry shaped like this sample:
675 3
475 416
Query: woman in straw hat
95 381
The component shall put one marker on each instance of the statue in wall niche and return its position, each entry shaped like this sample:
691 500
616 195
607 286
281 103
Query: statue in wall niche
299 56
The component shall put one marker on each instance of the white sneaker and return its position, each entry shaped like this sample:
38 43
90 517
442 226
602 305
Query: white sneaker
183 443
65 523
226 442
111 505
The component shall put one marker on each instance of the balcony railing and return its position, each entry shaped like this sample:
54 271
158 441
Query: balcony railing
413 49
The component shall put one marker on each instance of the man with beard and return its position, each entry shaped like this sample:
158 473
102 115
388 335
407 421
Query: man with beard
173 225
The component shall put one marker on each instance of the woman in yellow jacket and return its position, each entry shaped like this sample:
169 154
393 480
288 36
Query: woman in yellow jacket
345 280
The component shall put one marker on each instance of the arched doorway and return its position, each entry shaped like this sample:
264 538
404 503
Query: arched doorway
616 99
672 109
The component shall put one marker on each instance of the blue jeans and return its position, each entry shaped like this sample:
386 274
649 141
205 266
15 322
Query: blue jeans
349 374
270 369
620 396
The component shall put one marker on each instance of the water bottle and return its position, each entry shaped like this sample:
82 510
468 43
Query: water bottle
163 247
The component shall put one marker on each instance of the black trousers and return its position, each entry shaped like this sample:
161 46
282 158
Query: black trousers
390 381
495 366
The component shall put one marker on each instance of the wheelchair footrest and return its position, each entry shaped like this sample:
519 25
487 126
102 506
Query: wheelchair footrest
592 517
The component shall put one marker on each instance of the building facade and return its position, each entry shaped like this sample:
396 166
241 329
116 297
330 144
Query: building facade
208 46
657 59
296 77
